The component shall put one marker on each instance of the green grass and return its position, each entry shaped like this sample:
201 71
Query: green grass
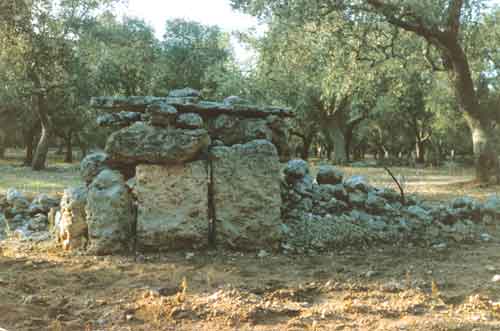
53 180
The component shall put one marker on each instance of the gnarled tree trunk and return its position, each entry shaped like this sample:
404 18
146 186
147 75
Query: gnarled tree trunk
306 146
485 154
42 149
447 41
29 135
420 152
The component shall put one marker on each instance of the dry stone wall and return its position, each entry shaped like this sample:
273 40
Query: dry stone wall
331 212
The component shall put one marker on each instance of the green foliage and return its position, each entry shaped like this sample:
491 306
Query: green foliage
193 55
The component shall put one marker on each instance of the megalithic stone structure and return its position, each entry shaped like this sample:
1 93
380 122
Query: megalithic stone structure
197 172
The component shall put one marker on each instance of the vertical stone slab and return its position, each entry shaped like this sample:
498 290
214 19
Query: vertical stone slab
71 229
246 195
172 206
110 214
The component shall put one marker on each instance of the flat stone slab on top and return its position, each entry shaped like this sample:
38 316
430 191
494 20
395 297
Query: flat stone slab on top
186 105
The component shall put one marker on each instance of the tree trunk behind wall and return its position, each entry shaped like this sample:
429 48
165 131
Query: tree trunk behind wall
306 147
42 149
68 158
420 152
340 144
29 136
2 144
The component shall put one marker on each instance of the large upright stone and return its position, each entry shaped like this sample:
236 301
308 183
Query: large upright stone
246 195
141 143
172 206
110 214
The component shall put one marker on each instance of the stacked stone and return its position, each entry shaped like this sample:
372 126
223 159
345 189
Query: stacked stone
231 122
335 212
179 172
22 217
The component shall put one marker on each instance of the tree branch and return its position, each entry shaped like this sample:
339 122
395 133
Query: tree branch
416 25
430 61
454 12
401 191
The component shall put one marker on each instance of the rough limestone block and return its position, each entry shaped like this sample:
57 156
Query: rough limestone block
172 206
71 229
234 130
110 214
246 195
142 143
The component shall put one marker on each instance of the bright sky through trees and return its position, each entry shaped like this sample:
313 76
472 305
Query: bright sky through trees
209 12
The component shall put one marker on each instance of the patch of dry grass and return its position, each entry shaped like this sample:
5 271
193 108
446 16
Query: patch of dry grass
443 183
431 183
53 180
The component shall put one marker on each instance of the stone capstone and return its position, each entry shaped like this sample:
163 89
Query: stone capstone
187 104
110 214
71 226
92 165
141 143
186 92
246 195
118 104
172 206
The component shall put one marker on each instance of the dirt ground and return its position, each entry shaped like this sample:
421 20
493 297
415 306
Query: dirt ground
386 288
374 288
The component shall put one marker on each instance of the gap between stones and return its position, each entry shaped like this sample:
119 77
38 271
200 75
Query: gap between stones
212 214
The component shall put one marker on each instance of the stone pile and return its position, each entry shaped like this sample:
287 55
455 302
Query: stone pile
21 216
179 172
333 211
